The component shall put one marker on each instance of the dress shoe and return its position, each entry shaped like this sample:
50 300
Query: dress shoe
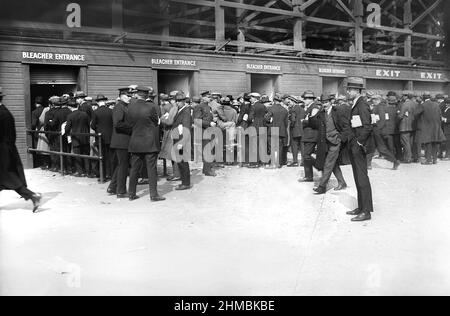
306 180
210 174
427 163
143 182
78 175
362 217
92 176
133 197
111 192
396 165
302 164
36 199
173 179
183 187
341 187
435 161
122 196
354 212
293 165
157 198
320 190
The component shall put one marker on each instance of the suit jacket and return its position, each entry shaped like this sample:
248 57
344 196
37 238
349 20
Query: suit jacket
35 115
296 116
78 122
246 109
380 110
406 116
12 176
86 107
203 113
446 125
143 117
280 119
363 134
311 131
430 123
259 113
102 122
121 129
391 125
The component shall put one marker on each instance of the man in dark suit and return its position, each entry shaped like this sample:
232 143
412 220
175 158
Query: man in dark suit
182 140
120 141
337 132
446 129
59 119
310 134
53 139
36 126
361 122
203 118
296 116
78 123
280 120
144 119
12 176
102 123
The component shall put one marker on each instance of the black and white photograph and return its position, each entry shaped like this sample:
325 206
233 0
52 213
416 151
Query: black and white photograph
254 149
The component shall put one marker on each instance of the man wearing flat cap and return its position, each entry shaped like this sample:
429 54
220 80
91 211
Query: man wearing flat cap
50 126
102 123
60 118
144 147
12 176
310 134
120 141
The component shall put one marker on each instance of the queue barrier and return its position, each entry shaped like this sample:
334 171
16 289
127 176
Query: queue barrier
63 154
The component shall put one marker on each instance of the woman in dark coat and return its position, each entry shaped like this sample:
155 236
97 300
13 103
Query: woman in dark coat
12 176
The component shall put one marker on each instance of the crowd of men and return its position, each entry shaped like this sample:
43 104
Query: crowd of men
137 129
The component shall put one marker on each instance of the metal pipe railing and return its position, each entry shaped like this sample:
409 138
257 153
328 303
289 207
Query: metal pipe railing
63 154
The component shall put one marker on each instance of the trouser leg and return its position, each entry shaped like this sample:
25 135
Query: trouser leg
429 152
295 148
330 164
383 149
406 143
308 160
207 166
151 161
359 164
136 167
185 173
25 193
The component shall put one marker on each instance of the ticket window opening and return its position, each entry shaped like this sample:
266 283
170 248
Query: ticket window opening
173 80
333 85
264 84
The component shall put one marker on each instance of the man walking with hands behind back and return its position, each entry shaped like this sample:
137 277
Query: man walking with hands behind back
361 122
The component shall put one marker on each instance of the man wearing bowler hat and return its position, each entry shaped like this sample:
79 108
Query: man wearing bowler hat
12 176
143 117
361 123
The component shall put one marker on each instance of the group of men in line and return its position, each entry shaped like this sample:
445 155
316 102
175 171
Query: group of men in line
137 129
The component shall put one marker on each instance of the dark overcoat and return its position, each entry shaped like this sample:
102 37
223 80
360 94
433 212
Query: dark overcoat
310 131
363 134
78 123
12 176
103 123
296 116
430 128
121 129
446 125
143 117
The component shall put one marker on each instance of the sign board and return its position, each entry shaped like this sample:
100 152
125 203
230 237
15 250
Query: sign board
164 63
263 68
53 57
333 71
405 74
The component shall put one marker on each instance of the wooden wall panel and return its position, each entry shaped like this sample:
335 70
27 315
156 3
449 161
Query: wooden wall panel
12 83
298 84
233 83
108 79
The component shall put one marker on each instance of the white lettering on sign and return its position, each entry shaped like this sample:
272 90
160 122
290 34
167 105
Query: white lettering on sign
263 67
388 73
431 75
174 62
53 56
74 18
332 71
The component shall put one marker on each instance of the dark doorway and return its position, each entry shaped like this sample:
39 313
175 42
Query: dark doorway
264 84
175 80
